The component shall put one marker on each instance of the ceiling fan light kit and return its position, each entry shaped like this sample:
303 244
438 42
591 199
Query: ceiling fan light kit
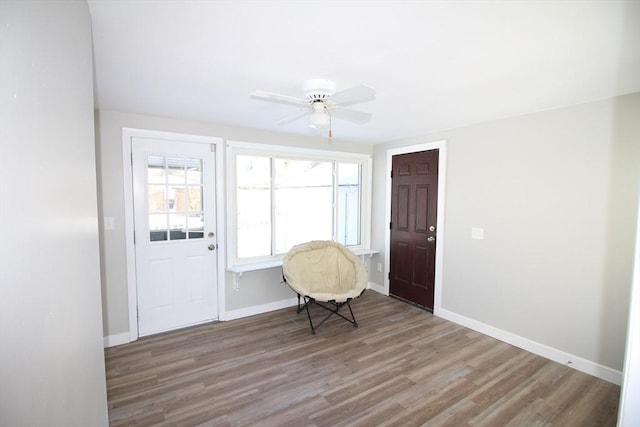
319 100
319 118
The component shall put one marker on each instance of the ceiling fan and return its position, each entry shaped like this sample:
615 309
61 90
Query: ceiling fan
320 102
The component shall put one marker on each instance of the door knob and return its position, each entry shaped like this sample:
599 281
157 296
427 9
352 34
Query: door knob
212 247
431 239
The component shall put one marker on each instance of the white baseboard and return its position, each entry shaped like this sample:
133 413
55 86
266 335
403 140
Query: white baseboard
259 309
586 366
114 340
378 288
277 305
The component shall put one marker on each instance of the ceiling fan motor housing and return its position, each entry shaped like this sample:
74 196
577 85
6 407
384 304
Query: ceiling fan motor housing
320 96
315 90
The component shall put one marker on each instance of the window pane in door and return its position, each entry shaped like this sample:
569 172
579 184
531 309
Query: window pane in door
157 198
176 173
253 206
157 227
194 171
195 225
303 202
175 198
156 170
177 226
194 199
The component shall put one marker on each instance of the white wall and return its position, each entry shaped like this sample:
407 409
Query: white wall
256 288
51 358
556 193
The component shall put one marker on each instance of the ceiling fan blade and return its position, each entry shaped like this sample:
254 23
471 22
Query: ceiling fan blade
292 117
354 95
355 116
276 97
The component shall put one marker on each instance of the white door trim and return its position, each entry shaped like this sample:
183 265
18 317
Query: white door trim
218 143
442 173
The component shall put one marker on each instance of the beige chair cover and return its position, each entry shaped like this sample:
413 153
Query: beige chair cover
324 271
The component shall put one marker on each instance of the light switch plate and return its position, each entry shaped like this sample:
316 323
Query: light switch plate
477 233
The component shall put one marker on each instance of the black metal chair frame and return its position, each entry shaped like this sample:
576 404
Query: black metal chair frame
336 306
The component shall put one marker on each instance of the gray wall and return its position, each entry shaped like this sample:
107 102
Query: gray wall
256 288
556 193
51 358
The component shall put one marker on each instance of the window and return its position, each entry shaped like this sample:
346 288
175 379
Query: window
285 197
174 191
303 202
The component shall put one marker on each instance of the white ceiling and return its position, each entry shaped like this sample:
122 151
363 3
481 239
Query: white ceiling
435 65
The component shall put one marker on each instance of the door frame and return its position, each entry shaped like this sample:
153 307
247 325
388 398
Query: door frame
217 145
442 173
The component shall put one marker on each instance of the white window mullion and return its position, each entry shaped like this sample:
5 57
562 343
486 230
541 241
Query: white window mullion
273 206
335 202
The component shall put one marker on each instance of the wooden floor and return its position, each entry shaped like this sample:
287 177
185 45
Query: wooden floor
402 367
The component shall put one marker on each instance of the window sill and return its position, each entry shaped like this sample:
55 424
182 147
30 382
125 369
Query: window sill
242 268
239 269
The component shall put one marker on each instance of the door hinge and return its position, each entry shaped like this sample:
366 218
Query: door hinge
389 276
391 174
390 225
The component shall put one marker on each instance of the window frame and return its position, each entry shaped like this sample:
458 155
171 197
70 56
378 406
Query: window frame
235 148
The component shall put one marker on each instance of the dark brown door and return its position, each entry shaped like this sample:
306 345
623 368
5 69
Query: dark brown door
414 198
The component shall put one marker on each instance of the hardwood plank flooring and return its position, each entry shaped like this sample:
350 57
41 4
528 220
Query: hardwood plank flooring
401 367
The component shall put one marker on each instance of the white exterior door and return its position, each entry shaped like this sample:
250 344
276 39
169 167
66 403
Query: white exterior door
175 235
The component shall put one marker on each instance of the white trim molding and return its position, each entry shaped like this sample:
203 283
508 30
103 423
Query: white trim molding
629 411
376 288
573 361
442 173
277 305
118 339
235 148
127 135
260 309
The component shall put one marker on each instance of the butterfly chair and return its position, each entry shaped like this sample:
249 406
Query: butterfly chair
327 274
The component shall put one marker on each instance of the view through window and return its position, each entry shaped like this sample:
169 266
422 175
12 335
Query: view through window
282 201
174 191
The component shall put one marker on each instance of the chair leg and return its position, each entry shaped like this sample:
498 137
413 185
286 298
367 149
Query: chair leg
307 301
333 310
306 305
355 324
